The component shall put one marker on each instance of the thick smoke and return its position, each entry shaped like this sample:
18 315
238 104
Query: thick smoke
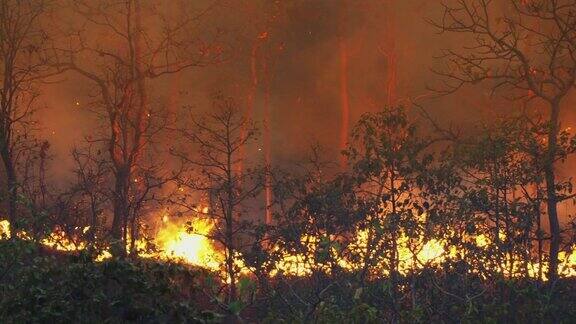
302 48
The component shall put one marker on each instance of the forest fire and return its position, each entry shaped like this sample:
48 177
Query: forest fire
310 161
191 244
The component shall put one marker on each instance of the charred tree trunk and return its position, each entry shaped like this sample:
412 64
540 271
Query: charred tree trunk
267 144
229 217
12 186
394 259
539 234
6 129
230 259
552 198
120 205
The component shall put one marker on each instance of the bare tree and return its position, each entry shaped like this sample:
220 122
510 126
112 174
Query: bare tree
526 49
132 55
23 64
32 168
92 172
214 156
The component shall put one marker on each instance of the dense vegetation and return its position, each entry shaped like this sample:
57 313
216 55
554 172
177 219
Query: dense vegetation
318 219
41 287
45 287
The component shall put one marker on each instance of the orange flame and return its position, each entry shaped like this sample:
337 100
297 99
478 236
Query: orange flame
192 245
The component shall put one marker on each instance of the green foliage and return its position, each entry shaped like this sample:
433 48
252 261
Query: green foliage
426 297
48 289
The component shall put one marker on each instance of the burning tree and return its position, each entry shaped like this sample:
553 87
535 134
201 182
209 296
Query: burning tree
527 51
213 150
133 56
315 218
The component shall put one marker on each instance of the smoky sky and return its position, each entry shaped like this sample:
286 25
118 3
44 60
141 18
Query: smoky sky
304 63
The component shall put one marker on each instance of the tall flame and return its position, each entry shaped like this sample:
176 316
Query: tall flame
191 245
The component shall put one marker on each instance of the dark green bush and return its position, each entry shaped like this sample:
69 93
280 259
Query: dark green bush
38 288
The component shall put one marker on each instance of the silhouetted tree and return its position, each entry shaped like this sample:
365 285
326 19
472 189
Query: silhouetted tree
24 63
120 69
389 160
212 149
525 50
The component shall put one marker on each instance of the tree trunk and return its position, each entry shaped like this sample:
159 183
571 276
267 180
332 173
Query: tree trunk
267 143
232 295
12 185
539 235
230 265
250 100
11 181
94 221
552 200
118 244
394 257
228 209
344 99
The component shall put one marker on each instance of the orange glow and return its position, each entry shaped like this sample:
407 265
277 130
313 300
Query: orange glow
4 229
344 98
192 245
58 240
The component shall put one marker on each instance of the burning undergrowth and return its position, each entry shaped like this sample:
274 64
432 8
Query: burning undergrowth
191 243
